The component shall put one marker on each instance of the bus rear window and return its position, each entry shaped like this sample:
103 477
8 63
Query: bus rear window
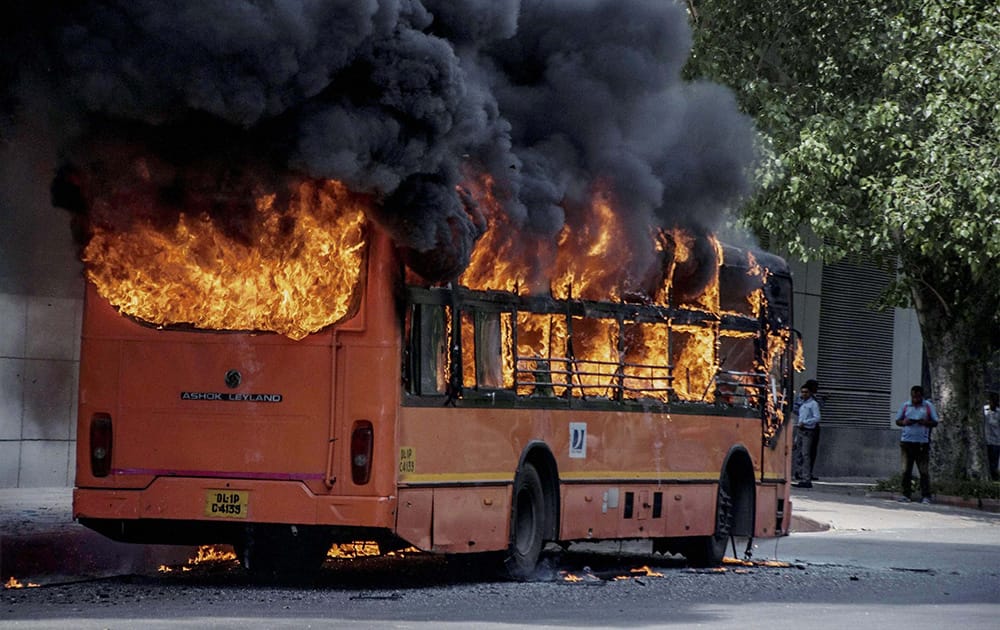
292 270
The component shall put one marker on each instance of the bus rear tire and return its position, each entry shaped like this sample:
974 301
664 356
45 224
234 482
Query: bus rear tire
527 525
709 551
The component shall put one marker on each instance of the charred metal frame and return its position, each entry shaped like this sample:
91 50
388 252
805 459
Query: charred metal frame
462 299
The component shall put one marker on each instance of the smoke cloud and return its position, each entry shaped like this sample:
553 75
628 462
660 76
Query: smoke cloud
399 99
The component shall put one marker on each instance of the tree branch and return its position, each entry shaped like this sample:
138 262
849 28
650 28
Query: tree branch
947 308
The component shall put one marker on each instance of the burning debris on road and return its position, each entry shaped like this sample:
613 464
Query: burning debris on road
15 583
585 569
222 557
206 555
228 153
616 575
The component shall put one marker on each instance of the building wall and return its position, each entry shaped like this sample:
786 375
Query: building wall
41 297
857 452
857 440
39 367
908 357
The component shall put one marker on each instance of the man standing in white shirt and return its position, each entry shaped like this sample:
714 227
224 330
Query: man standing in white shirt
917 417
806 433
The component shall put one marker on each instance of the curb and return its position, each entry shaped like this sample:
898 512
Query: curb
803 525
985 505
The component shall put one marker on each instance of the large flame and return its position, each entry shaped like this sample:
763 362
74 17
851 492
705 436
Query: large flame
584 251
297 275
298 270
755 299
590 259
496 262
690 280
604 357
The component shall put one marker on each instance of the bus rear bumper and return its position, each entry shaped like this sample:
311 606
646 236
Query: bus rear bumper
198 506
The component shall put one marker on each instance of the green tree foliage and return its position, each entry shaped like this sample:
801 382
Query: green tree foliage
881 129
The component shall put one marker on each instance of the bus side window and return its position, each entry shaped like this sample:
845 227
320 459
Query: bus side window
781 371
738 379
489 351
778 292
429 349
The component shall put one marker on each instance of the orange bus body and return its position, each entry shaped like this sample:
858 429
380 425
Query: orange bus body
213 432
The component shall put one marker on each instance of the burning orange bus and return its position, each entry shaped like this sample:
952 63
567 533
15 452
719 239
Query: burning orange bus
460 418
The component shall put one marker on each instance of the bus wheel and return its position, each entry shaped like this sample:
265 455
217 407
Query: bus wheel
527 525
708 551
281 552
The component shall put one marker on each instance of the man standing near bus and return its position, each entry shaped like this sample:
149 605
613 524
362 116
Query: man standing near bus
991 416
806 434
917 417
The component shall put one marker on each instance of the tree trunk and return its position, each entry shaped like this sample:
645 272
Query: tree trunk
955 355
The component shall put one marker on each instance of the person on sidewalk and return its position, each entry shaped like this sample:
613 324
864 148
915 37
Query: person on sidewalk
806 434
991 415
917 417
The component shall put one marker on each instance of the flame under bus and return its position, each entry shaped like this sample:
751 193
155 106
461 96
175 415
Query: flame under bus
450 419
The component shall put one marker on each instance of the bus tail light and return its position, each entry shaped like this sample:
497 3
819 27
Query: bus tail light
100 444
361 451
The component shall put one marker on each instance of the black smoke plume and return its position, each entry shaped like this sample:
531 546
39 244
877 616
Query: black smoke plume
399 99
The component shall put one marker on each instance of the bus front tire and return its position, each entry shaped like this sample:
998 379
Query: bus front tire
527 525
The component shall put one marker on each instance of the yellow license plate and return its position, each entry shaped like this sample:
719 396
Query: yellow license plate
227 503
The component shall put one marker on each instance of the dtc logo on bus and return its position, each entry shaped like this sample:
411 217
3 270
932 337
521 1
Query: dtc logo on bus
578 439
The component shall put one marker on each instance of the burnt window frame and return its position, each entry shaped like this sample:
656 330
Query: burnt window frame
464 300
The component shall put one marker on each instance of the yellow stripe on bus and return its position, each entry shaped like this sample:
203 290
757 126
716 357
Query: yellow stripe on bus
458 477
651 475
599 475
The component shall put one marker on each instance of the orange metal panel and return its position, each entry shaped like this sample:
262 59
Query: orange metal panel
114 504
592 511
620 445
637 525
471 519
359 396
778 468
160 432
767 503
690 510
414 518
98 392
586 513
643 505
367 356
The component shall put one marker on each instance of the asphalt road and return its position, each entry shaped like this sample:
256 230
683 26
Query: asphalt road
880 565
